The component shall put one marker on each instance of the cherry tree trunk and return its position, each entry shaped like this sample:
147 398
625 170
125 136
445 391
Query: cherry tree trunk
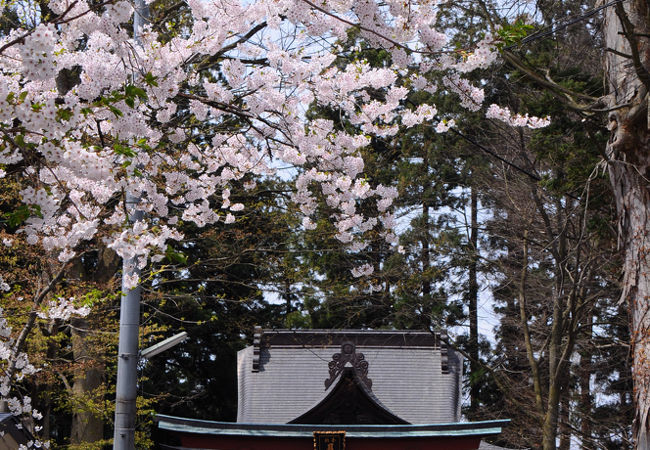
627 38
87 425
88 416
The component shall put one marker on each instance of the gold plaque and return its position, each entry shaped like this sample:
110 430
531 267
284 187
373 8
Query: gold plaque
329 440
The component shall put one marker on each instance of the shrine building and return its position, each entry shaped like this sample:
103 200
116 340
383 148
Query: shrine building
340 389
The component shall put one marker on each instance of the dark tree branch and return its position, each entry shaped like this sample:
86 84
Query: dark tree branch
628 31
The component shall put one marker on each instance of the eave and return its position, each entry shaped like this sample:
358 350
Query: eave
214 428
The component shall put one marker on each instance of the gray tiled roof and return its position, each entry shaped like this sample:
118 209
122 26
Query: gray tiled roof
413 374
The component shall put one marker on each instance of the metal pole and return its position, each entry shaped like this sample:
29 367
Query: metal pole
127 359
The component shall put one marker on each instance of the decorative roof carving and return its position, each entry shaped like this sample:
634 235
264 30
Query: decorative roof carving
444 354
257 340
349 356
349 401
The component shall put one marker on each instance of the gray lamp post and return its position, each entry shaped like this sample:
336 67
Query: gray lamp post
127 362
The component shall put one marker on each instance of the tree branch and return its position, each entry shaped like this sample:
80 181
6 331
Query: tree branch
567 95
27 328
628 31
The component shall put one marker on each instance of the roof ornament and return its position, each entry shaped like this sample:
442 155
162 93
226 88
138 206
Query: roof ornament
257 342
444 353
348 357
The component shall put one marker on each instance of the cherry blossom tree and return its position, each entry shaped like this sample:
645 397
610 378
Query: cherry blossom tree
88 119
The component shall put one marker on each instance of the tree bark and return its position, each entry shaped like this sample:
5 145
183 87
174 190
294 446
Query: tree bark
586 402
425 237
87 426
565 429
472 295
523 316
627 31
88 377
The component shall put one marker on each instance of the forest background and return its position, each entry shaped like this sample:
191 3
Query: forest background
519 219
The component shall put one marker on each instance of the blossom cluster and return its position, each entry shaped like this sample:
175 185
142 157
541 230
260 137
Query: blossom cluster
516 120
22 405
90 147
62 309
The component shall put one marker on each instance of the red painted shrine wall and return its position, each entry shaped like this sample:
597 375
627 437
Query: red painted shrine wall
260 443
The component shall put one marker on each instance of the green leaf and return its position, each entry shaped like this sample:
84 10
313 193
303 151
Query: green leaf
134 91
174 256
141 93
18 216
123 150
21 214
143 144
63 114
513 33
150 79
115 111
